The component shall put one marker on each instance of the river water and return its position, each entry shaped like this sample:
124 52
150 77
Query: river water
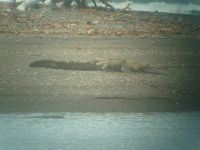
167 6
100 131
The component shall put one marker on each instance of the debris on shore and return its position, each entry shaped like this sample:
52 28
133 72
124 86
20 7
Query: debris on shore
92 22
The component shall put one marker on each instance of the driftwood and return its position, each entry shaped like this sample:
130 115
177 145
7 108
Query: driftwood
83 3
106 2
126 8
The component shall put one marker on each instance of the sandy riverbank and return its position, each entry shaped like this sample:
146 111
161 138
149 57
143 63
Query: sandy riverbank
168 44
26 88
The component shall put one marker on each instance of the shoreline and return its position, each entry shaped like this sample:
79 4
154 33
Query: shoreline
166 43
102 106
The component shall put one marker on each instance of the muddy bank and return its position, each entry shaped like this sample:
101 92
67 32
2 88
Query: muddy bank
49 87
84 60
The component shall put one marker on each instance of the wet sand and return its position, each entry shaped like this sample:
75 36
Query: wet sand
29 89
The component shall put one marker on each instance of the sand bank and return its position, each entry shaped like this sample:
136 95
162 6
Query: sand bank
26 88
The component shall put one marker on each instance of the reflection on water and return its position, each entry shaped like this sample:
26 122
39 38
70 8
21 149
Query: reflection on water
104 131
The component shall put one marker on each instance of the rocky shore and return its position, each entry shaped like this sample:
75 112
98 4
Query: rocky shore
92 22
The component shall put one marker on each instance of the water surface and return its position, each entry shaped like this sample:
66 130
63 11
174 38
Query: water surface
100 131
